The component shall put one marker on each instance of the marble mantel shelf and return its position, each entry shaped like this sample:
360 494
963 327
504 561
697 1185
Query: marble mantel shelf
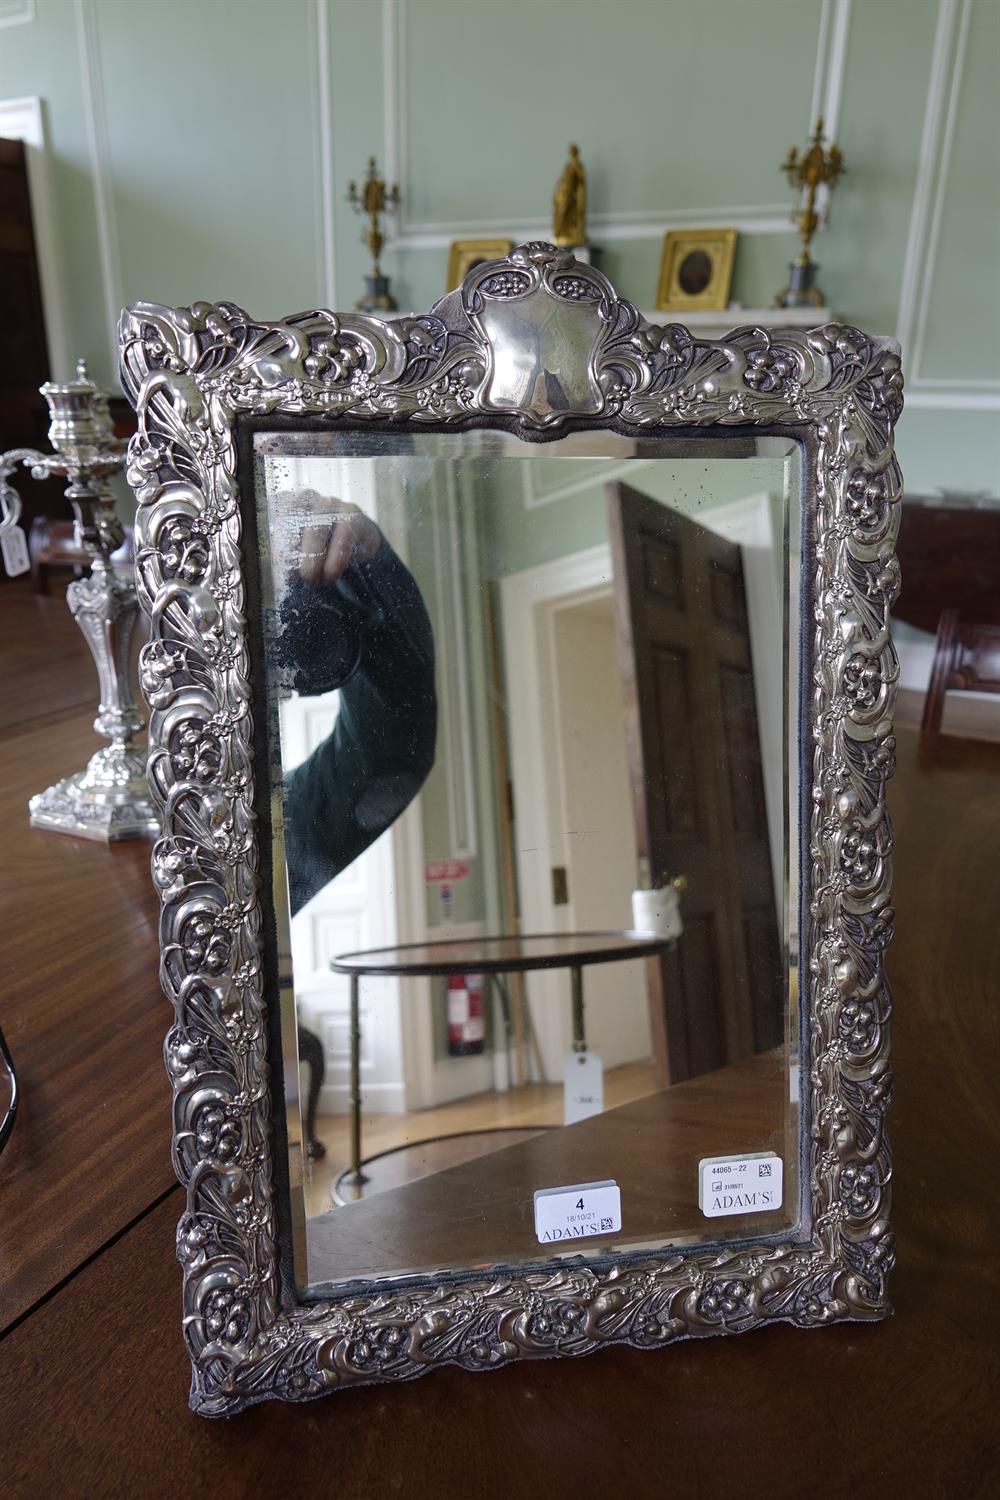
715 324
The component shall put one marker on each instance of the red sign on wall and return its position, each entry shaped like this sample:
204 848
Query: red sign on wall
444 871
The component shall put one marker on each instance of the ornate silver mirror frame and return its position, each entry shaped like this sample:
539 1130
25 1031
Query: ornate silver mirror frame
478 360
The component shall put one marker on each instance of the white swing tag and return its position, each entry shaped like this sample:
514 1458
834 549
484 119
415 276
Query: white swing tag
15 551
583 1086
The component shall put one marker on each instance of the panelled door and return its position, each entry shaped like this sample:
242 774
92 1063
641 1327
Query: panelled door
697 783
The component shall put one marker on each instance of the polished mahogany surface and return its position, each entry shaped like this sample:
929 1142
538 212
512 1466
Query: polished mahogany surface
93 1377
662 1136
80 1001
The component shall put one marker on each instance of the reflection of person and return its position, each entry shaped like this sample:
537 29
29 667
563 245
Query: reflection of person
353 618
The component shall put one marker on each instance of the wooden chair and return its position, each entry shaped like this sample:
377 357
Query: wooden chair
966 657
52 544
950 561
311 1053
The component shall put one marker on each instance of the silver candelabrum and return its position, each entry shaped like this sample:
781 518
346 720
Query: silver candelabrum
109 800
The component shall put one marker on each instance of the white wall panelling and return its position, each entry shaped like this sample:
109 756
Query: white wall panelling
97 145
766 218
16 13
944 87
327 279
450 637
828 82
831 64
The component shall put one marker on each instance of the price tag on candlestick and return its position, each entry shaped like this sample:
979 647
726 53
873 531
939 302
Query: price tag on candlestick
15 551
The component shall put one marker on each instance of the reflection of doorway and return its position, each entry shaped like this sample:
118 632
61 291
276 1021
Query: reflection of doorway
596 817
697 782
543 608
573 832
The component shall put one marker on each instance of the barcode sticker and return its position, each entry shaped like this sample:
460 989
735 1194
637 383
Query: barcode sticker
740 1184
577 1213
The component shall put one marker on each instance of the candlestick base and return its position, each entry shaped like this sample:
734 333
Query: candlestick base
378 298
801 290
108 802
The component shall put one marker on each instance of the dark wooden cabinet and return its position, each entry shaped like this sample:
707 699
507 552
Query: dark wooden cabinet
24 356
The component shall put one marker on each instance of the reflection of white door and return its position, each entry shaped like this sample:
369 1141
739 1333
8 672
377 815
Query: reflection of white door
355 910
381 900
571 794
358 909
565 693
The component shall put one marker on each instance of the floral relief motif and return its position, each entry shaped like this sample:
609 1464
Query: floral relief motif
859 1187
725 1301
191 373
192 1239
769 369
206 945
505 284
194 752
560 1320
227 1315
575 288
218 1134
859 855
862 680
184 553
858 1024
867 498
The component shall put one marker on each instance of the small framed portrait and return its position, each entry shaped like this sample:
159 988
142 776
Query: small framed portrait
696 270
465 255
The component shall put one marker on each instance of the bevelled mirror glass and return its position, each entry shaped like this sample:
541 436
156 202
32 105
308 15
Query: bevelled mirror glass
527 703
521 688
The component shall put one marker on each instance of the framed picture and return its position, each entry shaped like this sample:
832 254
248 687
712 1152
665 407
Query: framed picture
465 255
696 270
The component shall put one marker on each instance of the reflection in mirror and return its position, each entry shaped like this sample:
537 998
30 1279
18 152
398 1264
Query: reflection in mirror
534 725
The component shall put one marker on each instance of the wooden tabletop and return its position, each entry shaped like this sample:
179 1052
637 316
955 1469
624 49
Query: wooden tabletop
93 1372
80 1001
477 1211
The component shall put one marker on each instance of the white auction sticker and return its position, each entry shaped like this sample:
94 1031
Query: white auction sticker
577 1213
739 1184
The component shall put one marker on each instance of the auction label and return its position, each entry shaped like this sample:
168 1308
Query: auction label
15 551
577 1213
739 1184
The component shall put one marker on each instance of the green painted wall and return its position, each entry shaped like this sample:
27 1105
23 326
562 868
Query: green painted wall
202 149
565 510
497 527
